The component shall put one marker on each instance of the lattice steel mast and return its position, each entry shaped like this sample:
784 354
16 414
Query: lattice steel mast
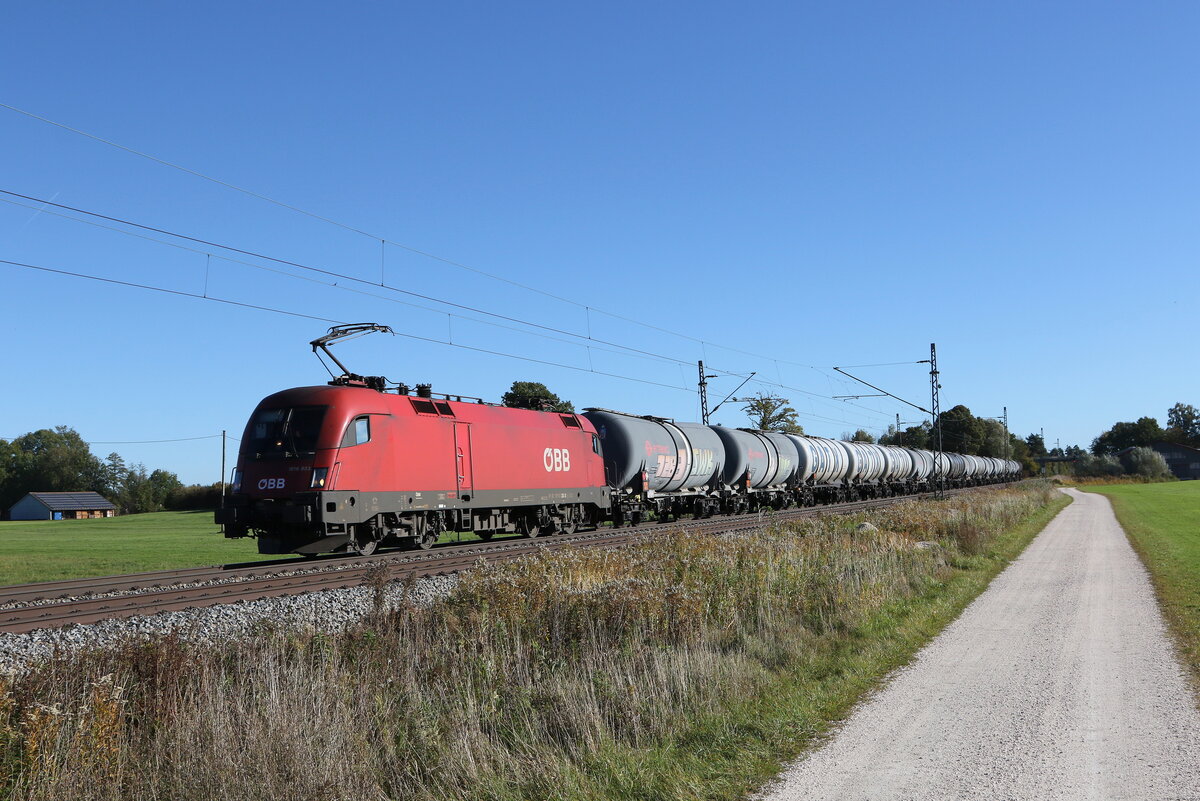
936 408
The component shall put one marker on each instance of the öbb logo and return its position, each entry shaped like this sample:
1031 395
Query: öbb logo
556 460
271 483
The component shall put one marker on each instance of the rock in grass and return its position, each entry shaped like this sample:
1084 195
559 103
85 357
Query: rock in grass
934 548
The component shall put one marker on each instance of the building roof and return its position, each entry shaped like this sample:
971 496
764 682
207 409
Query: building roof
72 501
1161 445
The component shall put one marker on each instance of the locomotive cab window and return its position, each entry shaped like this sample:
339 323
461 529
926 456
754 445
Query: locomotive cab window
358 432
286 433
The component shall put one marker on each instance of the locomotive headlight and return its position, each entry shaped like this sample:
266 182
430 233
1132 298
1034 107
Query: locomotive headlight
318 477
236 484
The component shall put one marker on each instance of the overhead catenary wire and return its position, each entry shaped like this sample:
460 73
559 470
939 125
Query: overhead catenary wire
151 441
341 287
416 337
257 307
326 272
384 241
347 277
375 237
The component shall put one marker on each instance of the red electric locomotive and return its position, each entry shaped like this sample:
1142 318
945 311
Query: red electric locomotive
349 466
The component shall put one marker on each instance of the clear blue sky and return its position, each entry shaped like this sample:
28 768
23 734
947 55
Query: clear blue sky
815 184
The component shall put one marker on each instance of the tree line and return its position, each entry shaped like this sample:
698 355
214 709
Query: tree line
59 460
1183 427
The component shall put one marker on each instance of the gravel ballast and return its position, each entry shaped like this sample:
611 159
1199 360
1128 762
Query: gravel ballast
325 610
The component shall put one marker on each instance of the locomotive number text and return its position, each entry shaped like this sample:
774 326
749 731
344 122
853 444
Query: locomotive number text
556 460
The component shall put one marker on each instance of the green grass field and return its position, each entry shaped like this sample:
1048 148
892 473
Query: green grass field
48 550
1163 523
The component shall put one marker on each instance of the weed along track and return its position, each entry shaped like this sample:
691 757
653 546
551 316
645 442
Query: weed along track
681 663
28 607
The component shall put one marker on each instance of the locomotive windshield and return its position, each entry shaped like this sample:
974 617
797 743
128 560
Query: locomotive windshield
285 433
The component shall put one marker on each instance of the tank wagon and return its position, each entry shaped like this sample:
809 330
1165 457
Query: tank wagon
350 466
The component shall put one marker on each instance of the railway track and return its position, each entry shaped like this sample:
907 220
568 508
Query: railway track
28 607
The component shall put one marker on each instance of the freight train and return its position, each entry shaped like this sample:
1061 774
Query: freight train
350 466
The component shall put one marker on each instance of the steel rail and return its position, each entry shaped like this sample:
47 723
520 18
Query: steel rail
150 593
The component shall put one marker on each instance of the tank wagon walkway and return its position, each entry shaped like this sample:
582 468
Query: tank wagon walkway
1058 682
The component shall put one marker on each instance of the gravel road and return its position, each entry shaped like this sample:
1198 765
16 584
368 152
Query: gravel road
1058 682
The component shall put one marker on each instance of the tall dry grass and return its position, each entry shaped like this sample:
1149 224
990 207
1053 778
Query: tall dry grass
534 679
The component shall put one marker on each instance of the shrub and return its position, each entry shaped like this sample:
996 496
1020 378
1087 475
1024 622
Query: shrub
1148 463
195 496
1097 466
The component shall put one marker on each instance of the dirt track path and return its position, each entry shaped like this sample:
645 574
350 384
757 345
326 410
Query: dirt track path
1057 683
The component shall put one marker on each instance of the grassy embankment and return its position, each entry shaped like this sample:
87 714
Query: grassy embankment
50 550
1163 524
684 667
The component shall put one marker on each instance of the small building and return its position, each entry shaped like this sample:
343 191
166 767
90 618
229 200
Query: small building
1183 460
61 506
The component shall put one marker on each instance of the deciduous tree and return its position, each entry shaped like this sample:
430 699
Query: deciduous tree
1128 435
1183 424
772 413
961 431
535 395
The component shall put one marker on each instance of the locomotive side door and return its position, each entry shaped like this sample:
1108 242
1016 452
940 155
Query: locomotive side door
462 458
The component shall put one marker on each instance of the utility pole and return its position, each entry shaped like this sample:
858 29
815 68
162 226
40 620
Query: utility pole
934 386
222 473
1007 444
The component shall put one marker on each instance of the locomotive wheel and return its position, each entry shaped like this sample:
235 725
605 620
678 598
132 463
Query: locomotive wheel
427 540
367 548
484 535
